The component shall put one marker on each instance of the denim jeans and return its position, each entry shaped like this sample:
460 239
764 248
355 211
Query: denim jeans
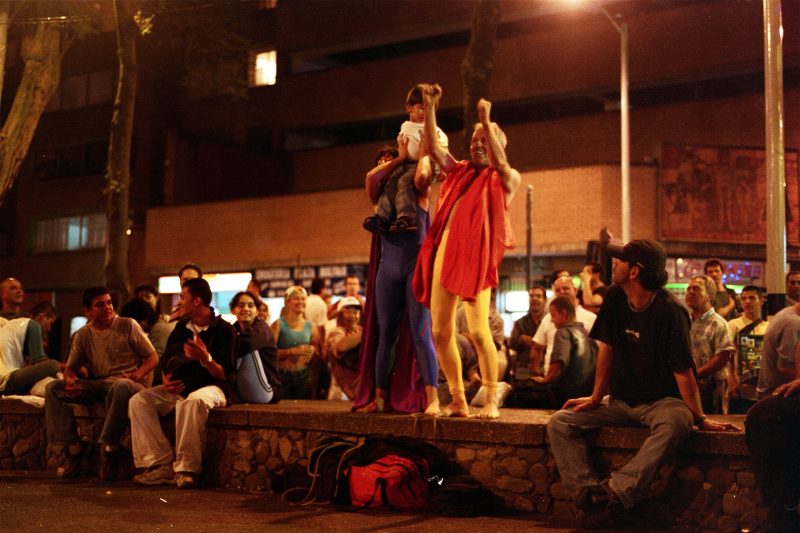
60 420
21 380
669 421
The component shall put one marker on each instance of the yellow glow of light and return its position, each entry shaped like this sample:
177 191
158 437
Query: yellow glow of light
235 281
266 71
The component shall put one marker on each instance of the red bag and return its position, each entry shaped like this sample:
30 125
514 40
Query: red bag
393 481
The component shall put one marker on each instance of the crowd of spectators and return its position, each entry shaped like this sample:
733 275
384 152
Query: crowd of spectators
143 363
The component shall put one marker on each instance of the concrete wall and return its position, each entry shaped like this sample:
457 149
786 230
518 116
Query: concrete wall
570 207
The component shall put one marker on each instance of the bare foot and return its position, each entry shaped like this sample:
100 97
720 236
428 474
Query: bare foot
488 411
432 409
457 409
431 401
375 406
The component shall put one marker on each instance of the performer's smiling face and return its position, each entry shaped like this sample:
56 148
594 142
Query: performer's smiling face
478 147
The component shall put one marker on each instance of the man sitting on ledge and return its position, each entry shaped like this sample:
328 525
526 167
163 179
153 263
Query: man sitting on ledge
120 360
644 361
196 369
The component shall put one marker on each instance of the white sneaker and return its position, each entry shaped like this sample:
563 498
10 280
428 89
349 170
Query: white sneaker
156 475
186 480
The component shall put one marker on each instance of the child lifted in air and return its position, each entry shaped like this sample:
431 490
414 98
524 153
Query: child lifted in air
395 211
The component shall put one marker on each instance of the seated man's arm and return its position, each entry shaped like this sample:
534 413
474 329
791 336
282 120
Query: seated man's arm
786 368
553 371
559 357
690 394
348 342
537 352
602 375
147 366
518 340
497 153
791 388
197 350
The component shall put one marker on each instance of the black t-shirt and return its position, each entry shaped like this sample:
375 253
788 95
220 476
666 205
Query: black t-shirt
648 346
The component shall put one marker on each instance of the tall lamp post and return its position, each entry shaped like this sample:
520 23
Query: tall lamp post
625 130
775 158
624 125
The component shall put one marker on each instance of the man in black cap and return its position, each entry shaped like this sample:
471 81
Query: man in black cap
645 364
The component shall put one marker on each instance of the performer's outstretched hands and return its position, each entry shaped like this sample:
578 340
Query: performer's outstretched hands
484 110
432 94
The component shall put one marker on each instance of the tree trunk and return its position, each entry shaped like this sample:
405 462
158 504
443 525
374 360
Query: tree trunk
478 63
41 53
118 174
5 5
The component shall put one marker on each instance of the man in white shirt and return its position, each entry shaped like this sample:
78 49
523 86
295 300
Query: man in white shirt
546 332
316 308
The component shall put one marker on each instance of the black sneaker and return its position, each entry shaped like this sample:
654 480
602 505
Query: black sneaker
74 463
403 224
376 224
109 465
598 507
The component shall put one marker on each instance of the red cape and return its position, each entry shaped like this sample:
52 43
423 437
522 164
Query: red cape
479 234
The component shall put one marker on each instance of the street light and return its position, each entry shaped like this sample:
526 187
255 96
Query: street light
625 131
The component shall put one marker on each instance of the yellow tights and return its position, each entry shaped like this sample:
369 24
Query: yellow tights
443 317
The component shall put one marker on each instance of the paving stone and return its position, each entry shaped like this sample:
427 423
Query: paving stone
482 471
746 479
285 448
720 477
691 473
736 503
465 455
515 466
513 484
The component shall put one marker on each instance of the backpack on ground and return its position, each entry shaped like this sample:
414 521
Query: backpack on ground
325 466
462 495
393 481
396 472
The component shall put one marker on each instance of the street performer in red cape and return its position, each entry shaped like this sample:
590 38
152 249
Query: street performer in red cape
464 247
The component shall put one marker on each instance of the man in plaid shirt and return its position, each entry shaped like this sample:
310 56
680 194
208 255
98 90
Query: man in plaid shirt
711 343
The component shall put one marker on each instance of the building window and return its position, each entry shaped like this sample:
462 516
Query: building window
80 232
70 161
83 90
265 68
267 4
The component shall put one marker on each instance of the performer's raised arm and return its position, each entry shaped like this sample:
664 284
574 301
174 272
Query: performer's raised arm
431 96
497 153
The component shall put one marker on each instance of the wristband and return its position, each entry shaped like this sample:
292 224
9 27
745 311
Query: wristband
699 420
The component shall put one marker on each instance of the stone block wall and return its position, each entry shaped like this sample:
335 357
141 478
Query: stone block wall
708 487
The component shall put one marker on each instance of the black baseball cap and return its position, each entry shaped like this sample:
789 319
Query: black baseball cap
647 254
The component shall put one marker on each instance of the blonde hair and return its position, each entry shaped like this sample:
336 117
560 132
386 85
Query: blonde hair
501 136
294 289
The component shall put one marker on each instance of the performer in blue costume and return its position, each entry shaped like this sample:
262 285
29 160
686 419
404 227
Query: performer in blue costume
398 368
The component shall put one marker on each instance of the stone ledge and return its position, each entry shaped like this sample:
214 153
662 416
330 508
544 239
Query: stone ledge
515 427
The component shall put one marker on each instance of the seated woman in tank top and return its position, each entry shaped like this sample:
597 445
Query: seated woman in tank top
296 338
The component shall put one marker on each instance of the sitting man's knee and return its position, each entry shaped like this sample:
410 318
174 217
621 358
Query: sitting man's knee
678 421
54 387
558 419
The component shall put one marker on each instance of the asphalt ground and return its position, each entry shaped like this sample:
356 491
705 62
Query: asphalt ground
37 501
